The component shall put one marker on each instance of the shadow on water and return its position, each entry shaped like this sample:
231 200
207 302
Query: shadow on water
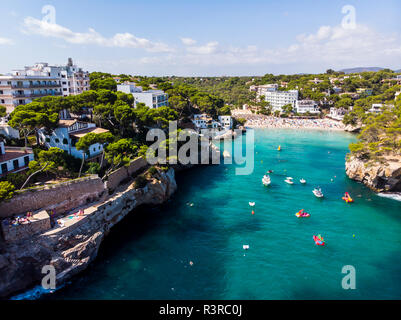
147 255
369 284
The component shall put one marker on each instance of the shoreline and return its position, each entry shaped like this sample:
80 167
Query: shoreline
260 121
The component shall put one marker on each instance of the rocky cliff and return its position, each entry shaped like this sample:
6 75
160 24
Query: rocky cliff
380 177
70 249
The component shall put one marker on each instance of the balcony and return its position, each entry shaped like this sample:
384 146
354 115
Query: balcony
27 86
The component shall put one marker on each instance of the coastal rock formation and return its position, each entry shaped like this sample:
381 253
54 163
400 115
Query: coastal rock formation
380 177
353 128
70 249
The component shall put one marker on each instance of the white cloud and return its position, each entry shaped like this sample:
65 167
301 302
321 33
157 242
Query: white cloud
6 41
188 41
207 49
122 40
328 46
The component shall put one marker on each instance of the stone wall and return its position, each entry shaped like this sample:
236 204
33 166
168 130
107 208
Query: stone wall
72 248
40 222
123 173
61 197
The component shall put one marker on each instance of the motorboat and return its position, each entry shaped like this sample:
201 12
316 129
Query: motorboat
289 180
318 192
266 180
303 181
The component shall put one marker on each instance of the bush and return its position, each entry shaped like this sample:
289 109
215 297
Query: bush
17 179
152 171
164 168
94 168
6 190
140 181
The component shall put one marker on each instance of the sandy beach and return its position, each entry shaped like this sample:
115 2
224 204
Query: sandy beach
263 121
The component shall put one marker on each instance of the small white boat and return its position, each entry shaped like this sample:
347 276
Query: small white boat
245 246
266 180
318 192
251 204
303 181
289 180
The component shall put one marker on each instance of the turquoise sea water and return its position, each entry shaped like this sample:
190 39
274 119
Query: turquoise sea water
147 255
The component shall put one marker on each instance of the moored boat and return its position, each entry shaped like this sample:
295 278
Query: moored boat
318 192
266 180
289 180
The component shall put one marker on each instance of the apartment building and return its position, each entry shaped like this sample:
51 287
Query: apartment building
151 98
22 86
278 99
262 89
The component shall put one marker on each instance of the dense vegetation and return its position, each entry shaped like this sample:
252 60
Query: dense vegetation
215 96
380 135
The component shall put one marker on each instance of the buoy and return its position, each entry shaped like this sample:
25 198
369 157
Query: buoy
191 263
253 212
353 235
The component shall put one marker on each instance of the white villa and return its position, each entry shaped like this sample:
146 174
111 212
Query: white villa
304 106
14 159
7 131
375 108
67 134
151 98
226 121
201 121
337 113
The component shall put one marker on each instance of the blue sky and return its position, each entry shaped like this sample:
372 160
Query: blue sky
202 38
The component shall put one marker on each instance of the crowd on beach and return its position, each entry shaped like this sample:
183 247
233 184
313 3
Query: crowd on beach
263 121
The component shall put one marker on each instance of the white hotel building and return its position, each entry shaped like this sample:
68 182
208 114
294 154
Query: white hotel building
22 86
304 106
278 99
151 98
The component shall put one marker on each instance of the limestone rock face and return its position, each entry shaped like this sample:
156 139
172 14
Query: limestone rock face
71 249
377 176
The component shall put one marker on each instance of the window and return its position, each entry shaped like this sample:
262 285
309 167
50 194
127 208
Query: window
15 164
56 140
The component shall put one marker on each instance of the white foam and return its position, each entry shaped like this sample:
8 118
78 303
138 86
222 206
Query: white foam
394 196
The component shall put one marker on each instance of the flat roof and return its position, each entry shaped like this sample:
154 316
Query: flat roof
81 133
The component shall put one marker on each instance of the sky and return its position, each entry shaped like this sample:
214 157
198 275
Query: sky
201 37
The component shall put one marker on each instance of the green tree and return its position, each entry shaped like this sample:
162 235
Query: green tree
48 161
84 144
6 190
